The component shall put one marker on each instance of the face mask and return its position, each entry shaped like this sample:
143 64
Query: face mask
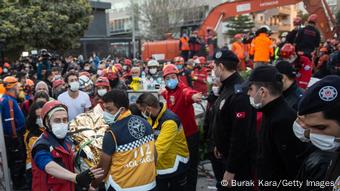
171 83
216 90
153 70
39 122
111 118
100 72
102 92
252 102
74 86
86 68
124 67
180 66
59 130
144 115
324 142
5 70
299 132
134 76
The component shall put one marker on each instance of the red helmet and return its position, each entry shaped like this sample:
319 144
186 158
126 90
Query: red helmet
323 49
170 69
297 21
29 82
6 65
111 73
57 83
312 18
103 81
128 62
179 60
119 67
238 36
48 107
85 74
287 50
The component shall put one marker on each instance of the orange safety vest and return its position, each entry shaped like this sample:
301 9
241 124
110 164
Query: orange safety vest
184 43
262 48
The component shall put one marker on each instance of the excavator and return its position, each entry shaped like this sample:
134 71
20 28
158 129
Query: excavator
168 49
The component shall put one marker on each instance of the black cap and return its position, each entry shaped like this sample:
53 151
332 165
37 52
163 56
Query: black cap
265 74
224 54
286 68
321 96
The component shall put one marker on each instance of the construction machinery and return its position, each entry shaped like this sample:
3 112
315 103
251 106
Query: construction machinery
168 49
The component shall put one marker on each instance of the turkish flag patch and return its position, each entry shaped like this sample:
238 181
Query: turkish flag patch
240 115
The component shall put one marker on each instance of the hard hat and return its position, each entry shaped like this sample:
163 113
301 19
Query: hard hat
57 83
179 60
111 73
170 69
287 50
323 49
238 36
266 28
85 74
6 65
284 34
312 18
51 106
153 63
103 81
118 67
9 82
29 82
84 82
128 62
297 21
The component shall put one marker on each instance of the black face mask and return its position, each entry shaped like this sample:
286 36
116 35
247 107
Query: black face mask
113 83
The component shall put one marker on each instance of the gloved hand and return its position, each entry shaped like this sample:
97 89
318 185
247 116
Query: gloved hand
85 178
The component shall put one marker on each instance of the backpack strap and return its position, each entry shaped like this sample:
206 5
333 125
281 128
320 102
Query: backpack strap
11 113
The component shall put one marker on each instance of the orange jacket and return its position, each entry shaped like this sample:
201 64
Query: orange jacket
238 49
184 43
262 48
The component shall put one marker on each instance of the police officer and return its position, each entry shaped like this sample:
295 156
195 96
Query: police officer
318 113
233 124
291 92
278 147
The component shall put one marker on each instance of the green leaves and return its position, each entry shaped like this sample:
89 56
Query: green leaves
240 24
55 25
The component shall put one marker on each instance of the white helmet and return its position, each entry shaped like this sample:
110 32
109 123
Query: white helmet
152 63
266 27
85 83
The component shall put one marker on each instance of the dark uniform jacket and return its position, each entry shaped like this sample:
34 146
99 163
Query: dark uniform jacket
308 38
278 147
234 127
292 96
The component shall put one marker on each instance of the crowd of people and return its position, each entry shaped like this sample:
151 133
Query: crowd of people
278 123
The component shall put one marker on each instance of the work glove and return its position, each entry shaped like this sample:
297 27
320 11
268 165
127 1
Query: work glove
85 178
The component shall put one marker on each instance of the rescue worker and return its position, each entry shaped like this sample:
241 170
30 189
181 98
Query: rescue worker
334 62
137 82
184 46
13 121
291 36
321 69
233 126
128 151
308 38
86 85
153 79
302 65
291 92
194 44
53 155
171 145
112 74
318 113
200 76
184 72
58 87
211 42
179 99
127 65
238 48
102 87
278 147
34 128
262 47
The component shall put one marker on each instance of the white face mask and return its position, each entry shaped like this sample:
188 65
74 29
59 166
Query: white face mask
102 92
39 122
216 90
59 129
252 102
111 118
299 132
324 142
74 86
124 67
153 70
146 116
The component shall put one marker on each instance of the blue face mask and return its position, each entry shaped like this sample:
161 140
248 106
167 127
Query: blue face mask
111 118
179 67
171 83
